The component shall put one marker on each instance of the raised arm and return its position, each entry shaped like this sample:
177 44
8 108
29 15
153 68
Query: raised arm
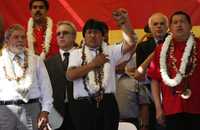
140 72
129 36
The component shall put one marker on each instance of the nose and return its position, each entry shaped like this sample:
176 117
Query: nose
20 38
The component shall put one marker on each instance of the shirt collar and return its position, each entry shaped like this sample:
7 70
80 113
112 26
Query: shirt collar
12 55
62 52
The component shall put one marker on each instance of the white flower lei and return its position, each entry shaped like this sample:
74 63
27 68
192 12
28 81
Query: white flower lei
22 86
184 61
47 41
92 86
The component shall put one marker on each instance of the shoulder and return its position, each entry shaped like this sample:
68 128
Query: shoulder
53 58
146 43
76 52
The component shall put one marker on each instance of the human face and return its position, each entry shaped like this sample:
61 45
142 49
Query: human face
38 11
180 27
93 38
158 26
16 42
65 36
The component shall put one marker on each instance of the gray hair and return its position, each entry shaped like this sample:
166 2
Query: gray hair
157 14
11 29
68 23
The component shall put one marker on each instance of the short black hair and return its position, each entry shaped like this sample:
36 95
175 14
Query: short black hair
147 29
180 13
105 26
46 3
93 24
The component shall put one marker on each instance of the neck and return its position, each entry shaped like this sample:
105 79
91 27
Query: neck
40 23
67 48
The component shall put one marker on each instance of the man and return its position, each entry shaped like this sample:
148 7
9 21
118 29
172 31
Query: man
158 25
132 98
41 40
92 69
56 66
25 92
175 70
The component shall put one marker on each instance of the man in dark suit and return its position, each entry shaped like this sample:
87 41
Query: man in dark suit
57 66
158 26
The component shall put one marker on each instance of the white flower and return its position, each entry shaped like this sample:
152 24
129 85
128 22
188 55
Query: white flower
22 86
184 61
92 86
47 40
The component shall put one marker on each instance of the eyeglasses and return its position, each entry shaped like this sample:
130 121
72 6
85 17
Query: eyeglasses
64 33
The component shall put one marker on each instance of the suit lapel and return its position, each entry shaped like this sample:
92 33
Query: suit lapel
59 64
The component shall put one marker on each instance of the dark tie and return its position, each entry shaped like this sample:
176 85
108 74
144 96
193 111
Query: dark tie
17 58
66 60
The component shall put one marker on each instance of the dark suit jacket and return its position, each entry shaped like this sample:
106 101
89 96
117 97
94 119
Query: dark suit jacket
59 83
143 50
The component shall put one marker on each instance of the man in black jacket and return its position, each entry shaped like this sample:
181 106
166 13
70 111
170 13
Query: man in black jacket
57 66
158 25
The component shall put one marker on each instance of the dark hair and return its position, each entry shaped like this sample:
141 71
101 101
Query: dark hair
105 26
180 13
147 29
46 3
93 24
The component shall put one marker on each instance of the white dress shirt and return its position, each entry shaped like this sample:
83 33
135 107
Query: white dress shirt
75 60
40 87
63 57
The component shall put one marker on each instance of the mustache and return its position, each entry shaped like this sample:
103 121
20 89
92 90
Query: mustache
38 13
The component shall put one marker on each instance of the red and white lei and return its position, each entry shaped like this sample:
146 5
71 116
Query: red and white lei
48 36
172 82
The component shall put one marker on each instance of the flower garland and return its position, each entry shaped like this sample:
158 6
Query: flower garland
184 61
48 36
94 80
23 79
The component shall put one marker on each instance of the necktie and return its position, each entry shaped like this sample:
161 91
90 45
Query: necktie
17 58
66 60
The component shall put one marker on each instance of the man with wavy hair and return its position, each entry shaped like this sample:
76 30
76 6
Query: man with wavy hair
40 36
25 92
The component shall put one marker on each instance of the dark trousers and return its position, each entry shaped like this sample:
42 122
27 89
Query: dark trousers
183 121
87 116
67 122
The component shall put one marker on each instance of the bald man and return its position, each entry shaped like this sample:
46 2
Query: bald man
158 25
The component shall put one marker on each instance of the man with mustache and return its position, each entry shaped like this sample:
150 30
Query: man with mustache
25 92
175 73
41 40
92 69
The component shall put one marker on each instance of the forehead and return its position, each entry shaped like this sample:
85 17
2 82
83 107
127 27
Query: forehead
38 3
179 17
158 18
18 32
64 27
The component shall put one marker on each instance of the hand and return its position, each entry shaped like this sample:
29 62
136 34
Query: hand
100 59
43 120
120 16
160 117
130 72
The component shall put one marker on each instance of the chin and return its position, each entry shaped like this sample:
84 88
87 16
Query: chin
19 51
